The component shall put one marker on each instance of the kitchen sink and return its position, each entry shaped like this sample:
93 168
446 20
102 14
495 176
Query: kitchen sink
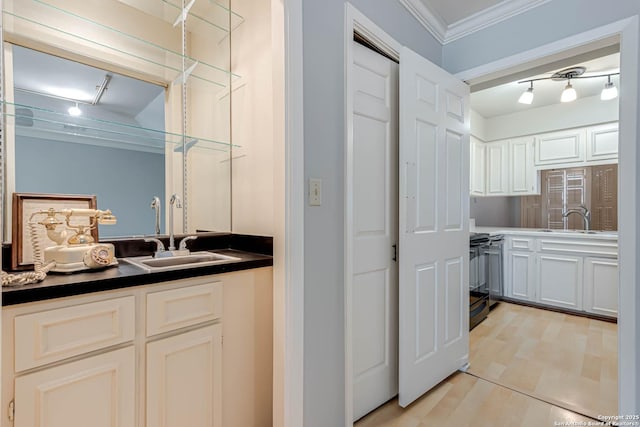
194 259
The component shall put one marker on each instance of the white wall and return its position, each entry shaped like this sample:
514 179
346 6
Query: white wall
582 112
323 68
547 24
478 125
253 121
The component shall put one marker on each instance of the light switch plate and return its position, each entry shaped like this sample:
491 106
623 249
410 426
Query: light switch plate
315 192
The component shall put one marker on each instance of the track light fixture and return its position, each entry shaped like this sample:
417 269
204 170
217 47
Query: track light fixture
527 96
610 91
569 93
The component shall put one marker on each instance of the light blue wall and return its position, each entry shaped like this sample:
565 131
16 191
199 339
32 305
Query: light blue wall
123 180
547 23
323 45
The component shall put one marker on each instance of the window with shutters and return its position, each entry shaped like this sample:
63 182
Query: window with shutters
595 187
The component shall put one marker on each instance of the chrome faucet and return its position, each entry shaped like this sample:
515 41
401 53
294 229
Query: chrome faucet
583 212
175 200
155 204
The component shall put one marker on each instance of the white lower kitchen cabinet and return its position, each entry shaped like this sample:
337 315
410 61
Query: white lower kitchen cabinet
560 281
184 379
97 391
601 286
520 272
562 270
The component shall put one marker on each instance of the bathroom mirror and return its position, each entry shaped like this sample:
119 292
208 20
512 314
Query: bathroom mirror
159 127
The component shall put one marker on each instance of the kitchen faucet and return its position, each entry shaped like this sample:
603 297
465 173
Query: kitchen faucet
583 212
155 204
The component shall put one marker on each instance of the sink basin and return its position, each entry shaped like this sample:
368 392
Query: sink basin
194 259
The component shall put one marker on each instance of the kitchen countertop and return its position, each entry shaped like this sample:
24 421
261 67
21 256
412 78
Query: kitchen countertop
124 275
536 232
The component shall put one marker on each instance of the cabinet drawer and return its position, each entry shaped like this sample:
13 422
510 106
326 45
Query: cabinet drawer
598 248
49 336
178 308
521 243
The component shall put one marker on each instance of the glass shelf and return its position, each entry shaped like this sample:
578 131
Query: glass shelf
158 57
47 124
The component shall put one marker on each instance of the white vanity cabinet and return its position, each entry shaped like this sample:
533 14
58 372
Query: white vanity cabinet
184 379
149 355
184 369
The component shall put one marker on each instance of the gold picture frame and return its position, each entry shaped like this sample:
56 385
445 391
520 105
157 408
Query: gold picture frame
24 204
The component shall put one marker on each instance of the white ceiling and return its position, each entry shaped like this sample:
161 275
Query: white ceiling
449 20
503 99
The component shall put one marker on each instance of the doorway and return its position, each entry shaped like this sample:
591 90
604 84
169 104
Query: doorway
432 230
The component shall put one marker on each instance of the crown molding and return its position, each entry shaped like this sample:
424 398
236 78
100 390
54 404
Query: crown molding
433 22
444 33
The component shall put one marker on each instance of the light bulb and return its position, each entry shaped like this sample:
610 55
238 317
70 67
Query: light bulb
610 91
75 111
568 94
526 97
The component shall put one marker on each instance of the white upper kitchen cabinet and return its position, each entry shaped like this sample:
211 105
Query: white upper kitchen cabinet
564 146
523 175
602 142
497 168
477 163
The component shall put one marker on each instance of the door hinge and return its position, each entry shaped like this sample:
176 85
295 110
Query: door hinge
12 411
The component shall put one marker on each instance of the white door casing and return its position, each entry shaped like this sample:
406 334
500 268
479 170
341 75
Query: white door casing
375 229
433 220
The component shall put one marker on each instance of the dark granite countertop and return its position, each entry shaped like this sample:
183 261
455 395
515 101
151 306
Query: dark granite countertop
126 275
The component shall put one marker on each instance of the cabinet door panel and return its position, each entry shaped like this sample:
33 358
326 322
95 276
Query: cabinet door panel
521 275
560 281
98 391
497 169
524 177
477 175
184 386
601 286
602 142
560 147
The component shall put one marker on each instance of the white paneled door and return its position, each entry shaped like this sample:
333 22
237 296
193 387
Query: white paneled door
433 226
374 182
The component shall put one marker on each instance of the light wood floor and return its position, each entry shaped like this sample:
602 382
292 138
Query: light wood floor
529 367
567 360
